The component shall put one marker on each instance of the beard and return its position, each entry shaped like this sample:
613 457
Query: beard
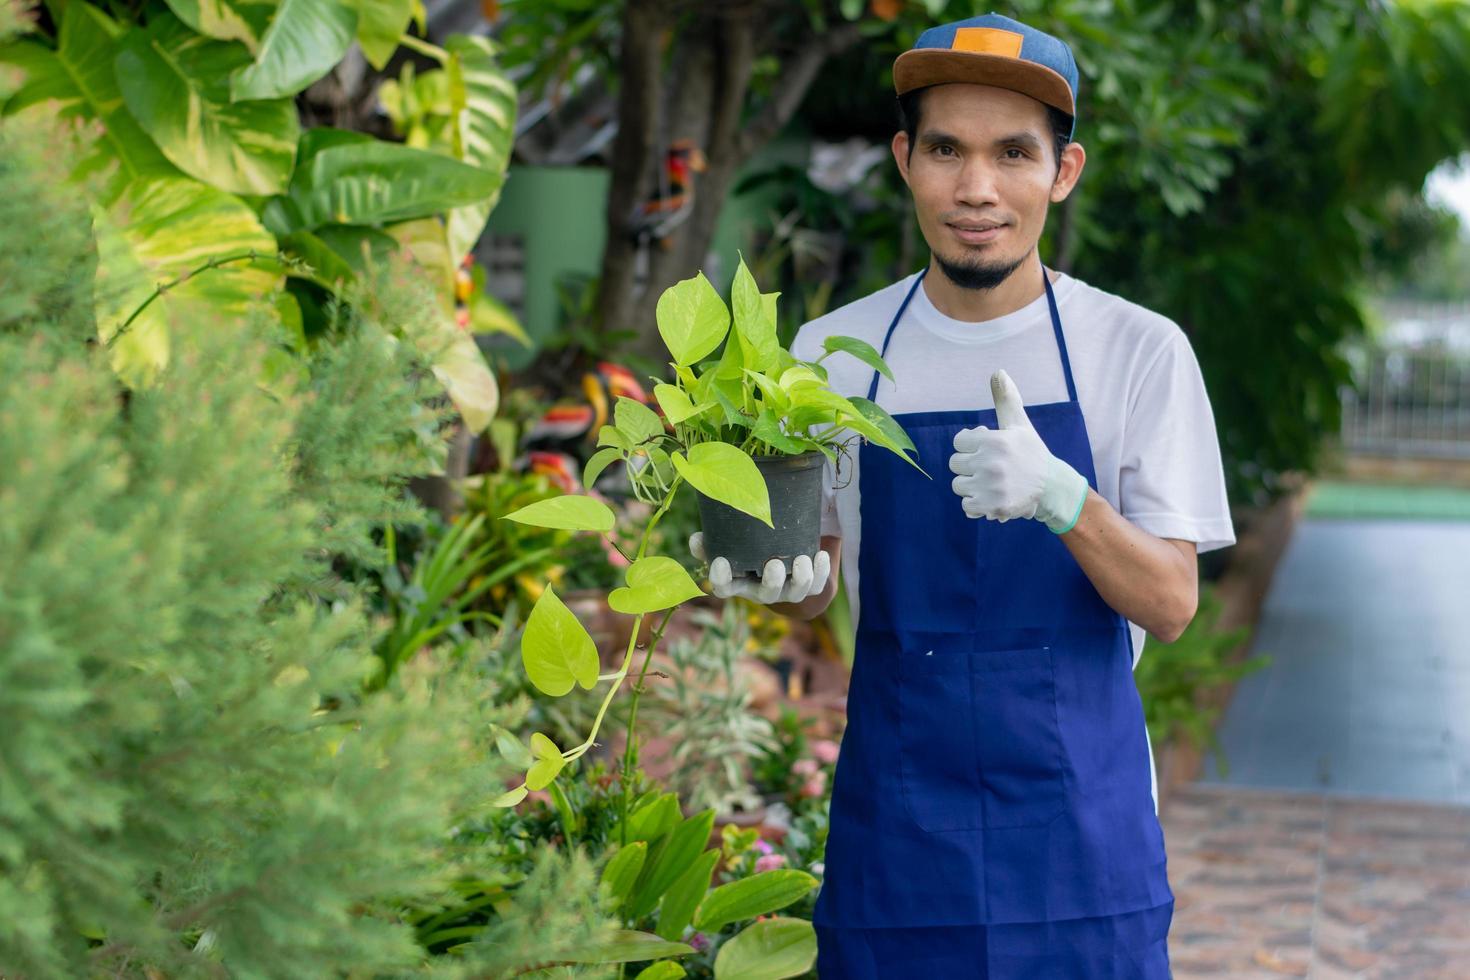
976 274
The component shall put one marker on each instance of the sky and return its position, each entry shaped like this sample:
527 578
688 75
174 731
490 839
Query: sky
1450 185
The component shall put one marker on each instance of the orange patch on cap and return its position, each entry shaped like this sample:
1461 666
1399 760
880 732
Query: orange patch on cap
987 40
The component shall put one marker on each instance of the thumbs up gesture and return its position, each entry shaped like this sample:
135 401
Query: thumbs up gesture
1008 472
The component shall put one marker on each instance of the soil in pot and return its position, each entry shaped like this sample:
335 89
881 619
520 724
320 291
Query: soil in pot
795 487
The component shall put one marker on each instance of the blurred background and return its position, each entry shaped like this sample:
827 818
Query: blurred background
1288 180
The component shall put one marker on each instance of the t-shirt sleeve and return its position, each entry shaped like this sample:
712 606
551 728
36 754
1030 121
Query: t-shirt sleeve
1172 482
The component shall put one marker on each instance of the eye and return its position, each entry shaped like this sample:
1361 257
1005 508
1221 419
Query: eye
943 146
1019 153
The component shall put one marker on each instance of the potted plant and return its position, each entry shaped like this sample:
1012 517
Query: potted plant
751 428
720 417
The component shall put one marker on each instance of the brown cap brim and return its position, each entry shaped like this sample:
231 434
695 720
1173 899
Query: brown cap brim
920 67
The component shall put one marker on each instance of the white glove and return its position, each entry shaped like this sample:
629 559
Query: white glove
1008 472
808 576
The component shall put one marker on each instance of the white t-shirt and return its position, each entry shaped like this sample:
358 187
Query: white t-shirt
1154 447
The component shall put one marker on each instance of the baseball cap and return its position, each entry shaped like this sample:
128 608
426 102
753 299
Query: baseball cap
992 50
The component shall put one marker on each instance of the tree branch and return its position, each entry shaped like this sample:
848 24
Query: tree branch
796 78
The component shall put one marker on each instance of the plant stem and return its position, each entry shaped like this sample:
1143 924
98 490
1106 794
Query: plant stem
164 287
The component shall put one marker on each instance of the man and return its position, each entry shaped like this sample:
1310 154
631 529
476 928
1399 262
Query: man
993 810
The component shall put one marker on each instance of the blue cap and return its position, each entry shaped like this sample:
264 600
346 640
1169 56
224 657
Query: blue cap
992 50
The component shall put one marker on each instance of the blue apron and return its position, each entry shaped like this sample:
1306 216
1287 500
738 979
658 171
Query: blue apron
994 769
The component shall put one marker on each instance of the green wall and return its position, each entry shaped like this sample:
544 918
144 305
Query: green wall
558 213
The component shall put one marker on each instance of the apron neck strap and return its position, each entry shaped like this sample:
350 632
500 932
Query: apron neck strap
1056 325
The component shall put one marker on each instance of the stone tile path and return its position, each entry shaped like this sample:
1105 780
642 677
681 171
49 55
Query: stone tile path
1337 842
1270 884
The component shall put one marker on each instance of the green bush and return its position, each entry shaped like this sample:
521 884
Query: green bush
193 781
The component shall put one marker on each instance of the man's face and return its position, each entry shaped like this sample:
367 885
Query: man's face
982 173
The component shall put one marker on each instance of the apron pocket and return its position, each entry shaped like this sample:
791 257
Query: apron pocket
979 744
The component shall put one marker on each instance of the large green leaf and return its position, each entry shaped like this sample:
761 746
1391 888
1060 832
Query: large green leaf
655 818
556 649
622 870
654 583
484 117
380 23
636 420
76 82
373 182
684 894
157 231
572 512
747 898
227 20
175 84
305 40
723 472
692 319
456 358
669 860
770 950
860 349
755 322
676 404
622 946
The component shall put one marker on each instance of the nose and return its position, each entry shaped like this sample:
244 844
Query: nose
977 183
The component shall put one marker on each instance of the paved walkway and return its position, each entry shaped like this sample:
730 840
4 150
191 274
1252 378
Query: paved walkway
1270 884
1368 692
1337 842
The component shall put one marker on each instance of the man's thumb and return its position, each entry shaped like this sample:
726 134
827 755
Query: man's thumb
1009 412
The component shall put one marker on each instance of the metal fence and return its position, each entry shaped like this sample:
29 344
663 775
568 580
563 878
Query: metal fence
1412 395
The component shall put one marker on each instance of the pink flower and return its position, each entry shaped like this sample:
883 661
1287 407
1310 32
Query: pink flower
825 751
770 862
815 786
762 846
699 941
804 767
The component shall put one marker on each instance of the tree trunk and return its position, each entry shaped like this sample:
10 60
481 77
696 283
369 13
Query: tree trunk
634 152
706 102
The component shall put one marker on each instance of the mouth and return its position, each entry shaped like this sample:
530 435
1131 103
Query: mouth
976 233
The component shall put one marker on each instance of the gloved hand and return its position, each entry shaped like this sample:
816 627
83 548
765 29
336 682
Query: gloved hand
808 576
1008 472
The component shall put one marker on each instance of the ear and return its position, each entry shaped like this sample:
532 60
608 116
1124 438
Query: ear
901 154
1074 158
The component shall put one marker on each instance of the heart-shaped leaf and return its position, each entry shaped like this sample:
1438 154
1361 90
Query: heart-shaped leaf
556 649
483 102
768 430
306 38
860 349
636 420
692 319
512 748
548 763
227 20
510 798
380 23
755 322
724 473
654 583
571 512
173 81
600 461
676 404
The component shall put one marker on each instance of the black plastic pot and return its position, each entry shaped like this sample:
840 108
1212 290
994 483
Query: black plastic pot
795 487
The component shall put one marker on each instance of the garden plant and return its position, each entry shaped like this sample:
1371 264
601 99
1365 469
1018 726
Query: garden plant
720 414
